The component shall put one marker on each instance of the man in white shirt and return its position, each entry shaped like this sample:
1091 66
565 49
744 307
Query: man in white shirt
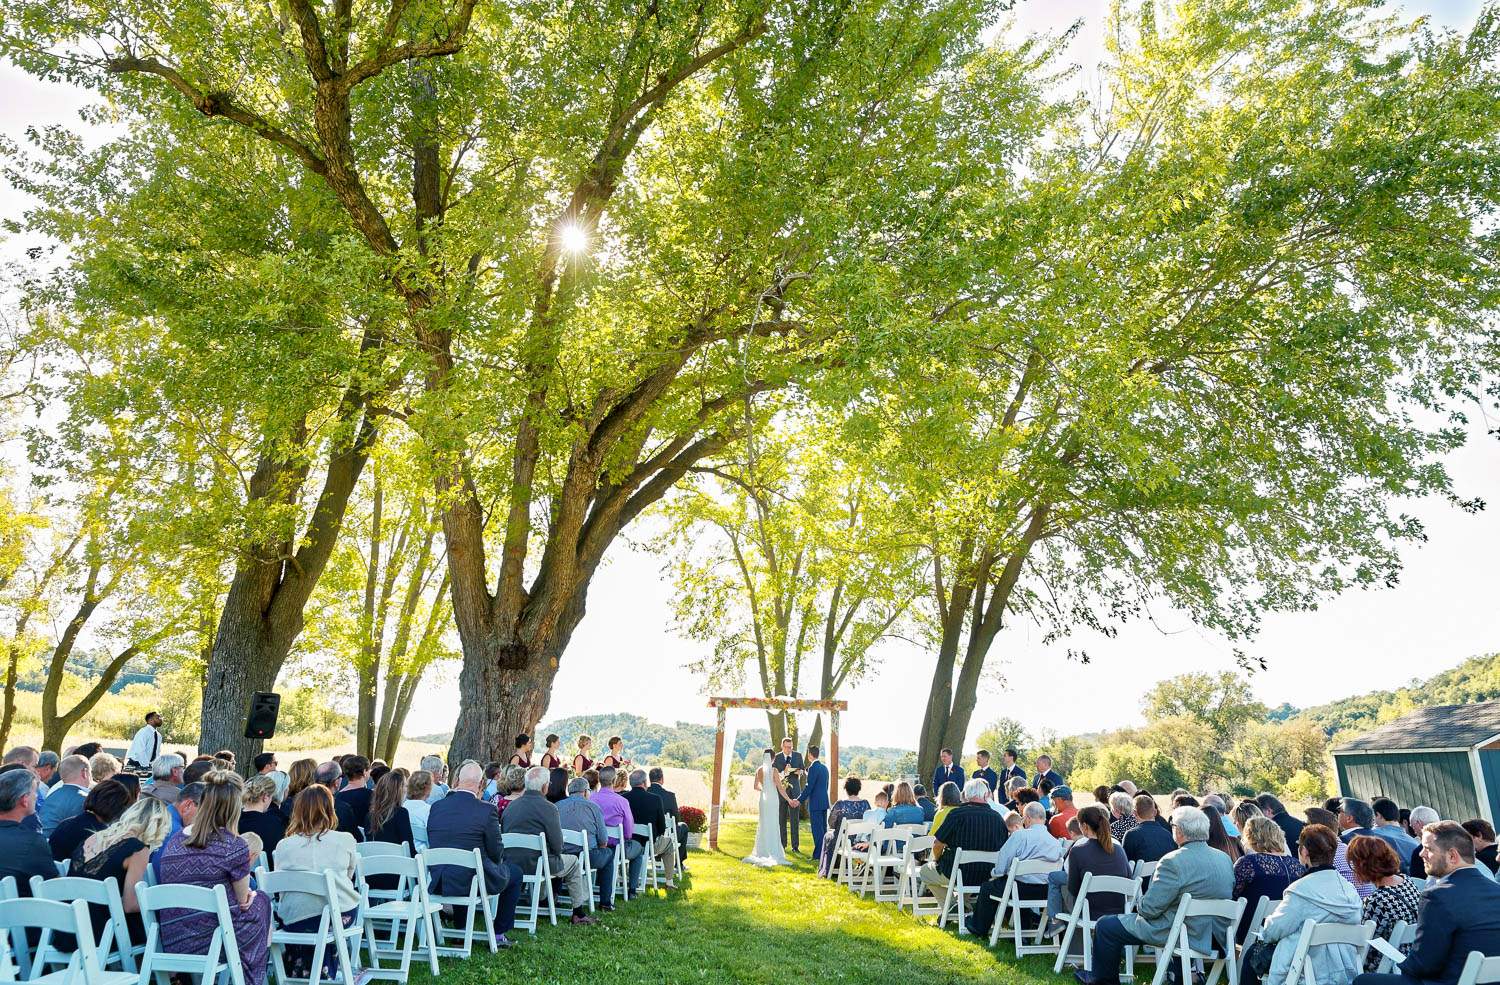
146 745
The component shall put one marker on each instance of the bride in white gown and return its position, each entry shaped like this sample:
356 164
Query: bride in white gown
768 851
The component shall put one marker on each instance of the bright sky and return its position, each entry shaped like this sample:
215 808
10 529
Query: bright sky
625 658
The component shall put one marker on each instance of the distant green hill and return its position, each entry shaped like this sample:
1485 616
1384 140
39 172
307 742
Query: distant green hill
683 742
1476 679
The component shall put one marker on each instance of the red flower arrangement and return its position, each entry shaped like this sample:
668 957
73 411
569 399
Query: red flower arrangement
696 820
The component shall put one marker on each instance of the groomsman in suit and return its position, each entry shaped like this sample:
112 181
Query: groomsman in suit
815 797
984 771
788 762
947 772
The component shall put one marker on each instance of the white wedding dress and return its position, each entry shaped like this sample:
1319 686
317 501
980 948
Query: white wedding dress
768 851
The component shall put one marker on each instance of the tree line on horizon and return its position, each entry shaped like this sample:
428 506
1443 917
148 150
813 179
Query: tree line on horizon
349 343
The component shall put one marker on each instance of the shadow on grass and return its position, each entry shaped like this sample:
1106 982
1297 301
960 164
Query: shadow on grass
738 924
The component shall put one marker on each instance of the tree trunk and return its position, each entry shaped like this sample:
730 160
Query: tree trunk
498 703
245 659
8 715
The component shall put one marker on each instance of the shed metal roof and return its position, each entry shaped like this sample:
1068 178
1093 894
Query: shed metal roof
1435 727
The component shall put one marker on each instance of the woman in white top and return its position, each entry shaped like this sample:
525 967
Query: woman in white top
313 844
418 789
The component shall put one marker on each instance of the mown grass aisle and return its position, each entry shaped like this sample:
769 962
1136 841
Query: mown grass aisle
738 924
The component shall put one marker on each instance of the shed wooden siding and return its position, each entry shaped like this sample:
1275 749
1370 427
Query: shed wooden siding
1489 766
1441 780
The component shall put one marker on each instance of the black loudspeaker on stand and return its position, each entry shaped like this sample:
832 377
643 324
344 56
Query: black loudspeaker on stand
261 722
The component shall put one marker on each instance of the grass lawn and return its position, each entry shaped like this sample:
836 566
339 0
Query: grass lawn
738 924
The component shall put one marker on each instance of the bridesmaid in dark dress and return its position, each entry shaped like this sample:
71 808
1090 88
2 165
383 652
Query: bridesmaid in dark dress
581 762
214 854
122 852
616 755
552 755
522 756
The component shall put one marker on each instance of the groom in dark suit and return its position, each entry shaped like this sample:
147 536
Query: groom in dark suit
787 763
815 797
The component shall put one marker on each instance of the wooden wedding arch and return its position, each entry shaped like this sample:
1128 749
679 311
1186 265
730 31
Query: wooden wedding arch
768 704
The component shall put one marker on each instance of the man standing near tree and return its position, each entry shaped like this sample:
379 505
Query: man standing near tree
146 745
947 771
789 764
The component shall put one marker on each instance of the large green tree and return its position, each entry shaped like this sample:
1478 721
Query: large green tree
1215 331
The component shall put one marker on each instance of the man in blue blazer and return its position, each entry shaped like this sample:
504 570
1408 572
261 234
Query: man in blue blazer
815 797
66 799
1460 912
463 820
947 772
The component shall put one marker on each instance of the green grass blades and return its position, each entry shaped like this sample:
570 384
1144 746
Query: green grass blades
738 924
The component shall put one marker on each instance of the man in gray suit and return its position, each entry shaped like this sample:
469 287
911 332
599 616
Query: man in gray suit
1195 869
533 814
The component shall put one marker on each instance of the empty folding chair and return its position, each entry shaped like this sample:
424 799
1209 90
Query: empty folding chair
912 886
1081 918
51 917
536 884
477 898
222 955
1217 957
114 944
409 916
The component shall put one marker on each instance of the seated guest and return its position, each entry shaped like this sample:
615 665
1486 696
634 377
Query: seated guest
1218 836
617 814
971 826
1484 842
851 807
313 843
1101 796
88 750
1122 815
463 820
904 808
522 756
1395 898
1044 771
211 853
1219 804
1388 826
264 763
947 771
23 851
669 805
356 793
578 813
434 765
328 776
552 755
418 788
1355 818
877 812
197 770
121 852
948 798
1419 818
1243 812
1322 896
533 814
1460 912
258 817
103 766
928 805
1330 820
1272 807
1097 853
557 784
1192 869
1044 795
1264 870
66 799
509 785
101 808
646 809
389 820
1062 805
303 774
983 770
166 777
1149 840
1033 842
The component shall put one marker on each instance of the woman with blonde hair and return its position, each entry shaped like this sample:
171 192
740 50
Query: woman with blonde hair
257 814
904 808
121 852
1266 868
313 843
418 788
581 762
211 853
103 766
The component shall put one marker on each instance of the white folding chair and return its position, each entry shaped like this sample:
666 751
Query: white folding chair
1263 909
331 930
1314 934
616 833
1402 935
911 885
409 909
536 883
1081 917
222 955
114 944
8 970
591 884
1480 970
1218 959
848 858
383 849
648 869
8 888
1144 870
1013 907
477 898
955 900
884 859
55 917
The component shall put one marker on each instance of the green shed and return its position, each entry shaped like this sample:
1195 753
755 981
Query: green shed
1446 757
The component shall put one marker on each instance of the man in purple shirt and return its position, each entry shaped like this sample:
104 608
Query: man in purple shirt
616 812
